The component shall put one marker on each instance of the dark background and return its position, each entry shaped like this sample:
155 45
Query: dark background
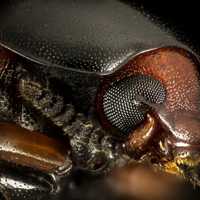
180 17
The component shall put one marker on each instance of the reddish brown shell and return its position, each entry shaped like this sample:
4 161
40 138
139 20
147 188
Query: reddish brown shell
5 57
175 68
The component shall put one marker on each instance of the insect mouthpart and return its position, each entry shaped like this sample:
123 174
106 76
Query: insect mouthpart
186 164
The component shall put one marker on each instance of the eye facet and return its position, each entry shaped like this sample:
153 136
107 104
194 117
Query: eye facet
121 103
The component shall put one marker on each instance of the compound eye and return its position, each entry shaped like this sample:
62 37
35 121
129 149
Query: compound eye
121 104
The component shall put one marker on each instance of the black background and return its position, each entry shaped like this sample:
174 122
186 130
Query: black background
180 17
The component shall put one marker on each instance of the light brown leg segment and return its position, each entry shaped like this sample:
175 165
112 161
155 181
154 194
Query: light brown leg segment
139 139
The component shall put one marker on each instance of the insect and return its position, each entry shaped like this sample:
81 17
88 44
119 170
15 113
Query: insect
120 69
